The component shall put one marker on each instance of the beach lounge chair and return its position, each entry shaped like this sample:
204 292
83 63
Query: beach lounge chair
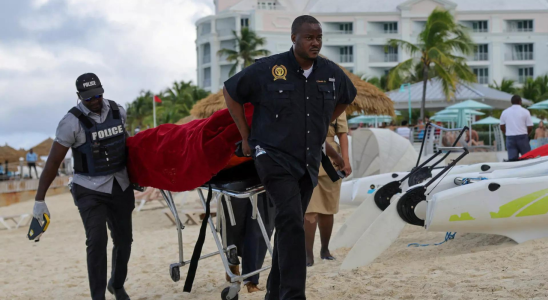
17 219
149 195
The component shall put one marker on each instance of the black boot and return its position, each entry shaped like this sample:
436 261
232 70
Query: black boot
119 294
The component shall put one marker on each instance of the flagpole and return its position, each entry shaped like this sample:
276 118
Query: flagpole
154 109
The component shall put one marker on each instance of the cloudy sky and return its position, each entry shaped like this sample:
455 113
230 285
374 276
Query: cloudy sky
131 45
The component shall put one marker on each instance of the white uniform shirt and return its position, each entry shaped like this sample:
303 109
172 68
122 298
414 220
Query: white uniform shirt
516 119
71 134
403 131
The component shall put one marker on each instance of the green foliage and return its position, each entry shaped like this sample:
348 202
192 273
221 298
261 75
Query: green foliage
246 44
139 110
379 82
535 90
436 54
177 101
506 85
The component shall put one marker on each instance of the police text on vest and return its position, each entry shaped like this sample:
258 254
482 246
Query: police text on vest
107 132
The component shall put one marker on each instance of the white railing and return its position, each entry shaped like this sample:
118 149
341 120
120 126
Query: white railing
520 56
515 29
346 58
483 79
268 6
339 32
11 186
481 56
390 31
387 57
523 78
206 59
480 30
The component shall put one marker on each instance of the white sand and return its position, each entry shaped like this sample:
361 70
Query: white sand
473 266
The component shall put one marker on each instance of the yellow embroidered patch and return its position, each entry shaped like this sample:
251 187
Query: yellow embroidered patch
279 72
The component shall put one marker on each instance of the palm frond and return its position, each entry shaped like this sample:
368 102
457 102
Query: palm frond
405 45
397 75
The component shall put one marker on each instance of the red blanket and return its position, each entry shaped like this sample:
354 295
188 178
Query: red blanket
183 157
540 151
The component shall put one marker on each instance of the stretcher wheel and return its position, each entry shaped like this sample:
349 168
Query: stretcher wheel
174 272
224 294
385 193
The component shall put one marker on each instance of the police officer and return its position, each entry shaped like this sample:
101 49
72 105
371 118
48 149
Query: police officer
295 94
95 130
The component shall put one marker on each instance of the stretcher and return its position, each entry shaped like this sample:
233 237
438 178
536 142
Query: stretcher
242 184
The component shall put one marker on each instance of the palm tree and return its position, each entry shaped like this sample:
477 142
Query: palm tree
380 82
529 90
177 101
506 85
246 43
435 55
542 87
139 110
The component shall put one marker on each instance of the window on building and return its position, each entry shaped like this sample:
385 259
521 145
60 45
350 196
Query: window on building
207 77
346 54
481 52
386 72
206 54
482 74
480 26
525 73
391 54
206 28
522 52
266 5
244 22
391 27
520 26
345 28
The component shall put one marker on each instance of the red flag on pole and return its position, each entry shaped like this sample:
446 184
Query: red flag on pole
157 99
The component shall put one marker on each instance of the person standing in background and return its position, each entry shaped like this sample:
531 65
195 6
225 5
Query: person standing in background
516 124
324 203
31 162
404 130
541 132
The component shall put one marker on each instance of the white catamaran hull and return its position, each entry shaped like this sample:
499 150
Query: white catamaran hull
445 217
512 207
367 212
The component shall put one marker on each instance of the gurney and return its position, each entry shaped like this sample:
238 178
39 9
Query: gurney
240 182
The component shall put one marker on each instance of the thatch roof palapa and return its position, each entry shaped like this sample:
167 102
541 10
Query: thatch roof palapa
369 100
209 105
43 148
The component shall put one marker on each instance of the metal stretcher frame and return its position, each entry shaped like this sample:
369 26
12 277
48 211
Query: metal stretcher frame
226 252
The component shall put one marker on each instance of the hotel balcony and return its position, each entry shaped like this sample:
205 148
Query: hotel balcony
380 58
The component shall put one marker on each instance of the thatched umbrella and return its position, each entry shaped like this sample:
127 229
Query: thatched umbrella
11 155
43 148
369 101
208 106
186 120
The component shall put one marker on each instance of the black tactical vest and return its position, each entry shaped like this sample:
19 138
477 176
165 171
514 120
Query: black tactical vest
104 151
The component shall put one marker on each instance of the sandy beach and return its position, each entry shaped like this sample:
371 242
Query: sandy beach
473 266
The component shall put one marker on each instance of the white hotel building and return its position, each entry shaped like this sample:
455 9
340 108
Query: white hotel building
512 35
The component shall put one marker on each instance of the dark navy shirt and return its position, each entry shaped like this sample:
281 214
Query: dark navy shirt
292 113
